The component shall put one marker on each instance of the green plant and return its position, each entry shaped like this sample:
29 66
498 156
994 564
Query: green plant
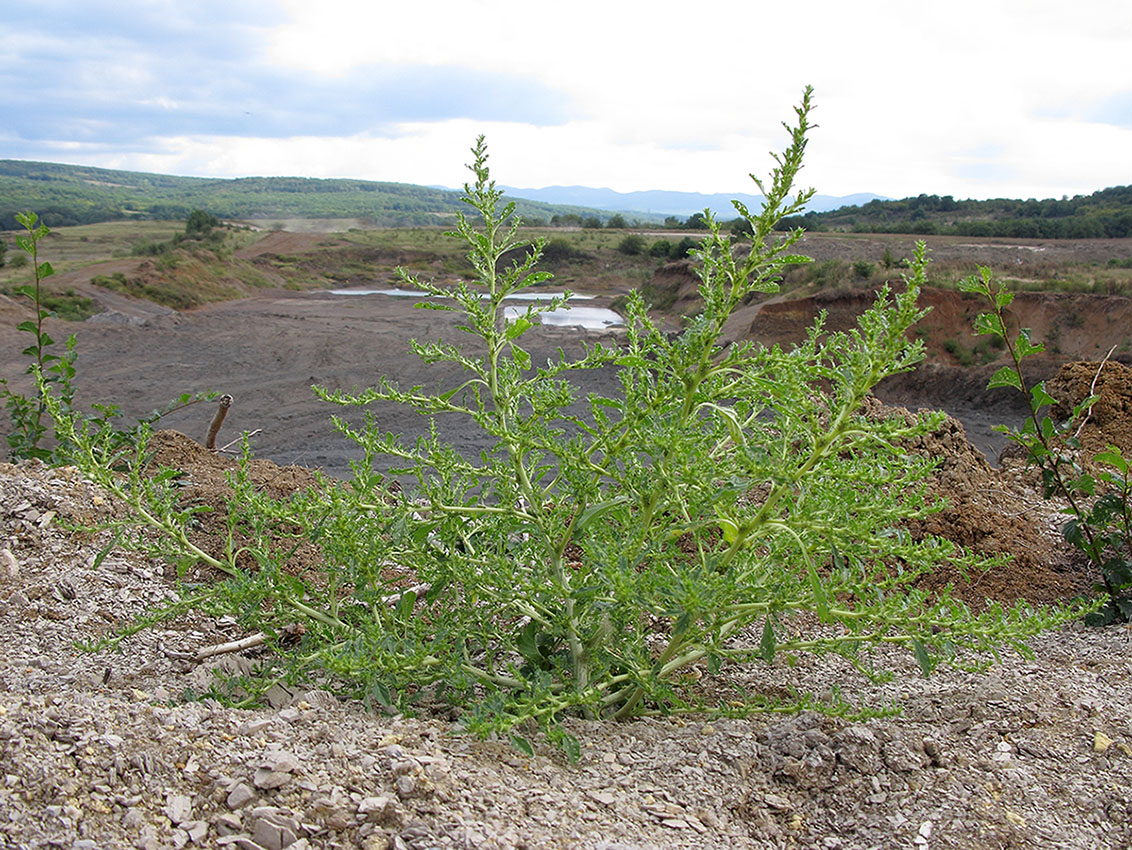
728 505
1098 504
862 269
586 562
632 245
26 414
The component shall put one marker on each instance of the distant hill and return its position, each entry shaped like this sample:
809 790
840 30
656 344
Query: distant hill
1107 213
75 194
660 202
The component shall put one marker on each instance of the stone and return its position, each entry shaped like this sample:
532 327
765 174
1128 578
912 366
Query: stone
9 566
377 809
239 796
179 808
265 778
272 836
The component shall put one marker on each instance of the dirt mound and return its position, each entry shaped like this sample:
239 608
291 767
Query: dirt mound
208 471
992 516
206 484
674 291
1110 421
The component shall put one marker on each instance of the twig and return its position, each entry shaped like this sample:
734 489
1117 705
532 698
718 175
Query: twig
231 646
227 446
1093 391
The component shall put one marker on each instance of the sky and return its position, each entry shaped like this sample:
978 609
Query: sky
996 98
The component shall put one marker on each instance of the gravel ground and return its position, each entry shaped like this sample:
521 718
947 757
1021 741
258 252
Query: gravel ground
102 750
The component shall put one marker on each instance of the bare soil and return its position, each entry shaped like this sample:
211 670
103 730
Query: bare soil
102 751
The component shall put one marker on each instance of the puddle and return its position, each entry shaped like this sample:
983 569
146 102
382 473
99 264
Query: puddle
569 316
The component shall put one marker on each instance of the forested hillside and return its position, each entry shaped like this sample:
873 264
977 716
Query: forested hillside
1107 213
71 194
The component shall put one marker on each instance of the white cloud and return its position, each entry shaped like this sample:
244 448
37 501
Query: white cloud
967 98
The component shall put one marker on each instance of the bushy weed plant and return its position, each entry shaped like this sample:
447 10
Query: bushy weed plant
729 505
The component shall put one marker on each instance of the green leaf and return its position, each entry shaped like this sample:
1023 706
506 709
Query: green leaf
1024 346
1005 377
522 745
571 747
522 357
768 644
730 530
594 511
527 642
45 270
989 323
821 601
406 604
681 624
1040 397
28 326
927 664
1113 457
517 328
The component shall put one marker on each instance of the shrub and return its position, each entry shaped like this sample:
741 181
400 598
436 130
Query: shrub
660 248
683 248
727 506
633 244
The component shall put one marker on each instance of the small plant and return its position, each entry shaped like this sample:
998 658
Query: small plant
25 413
1101 513
862 269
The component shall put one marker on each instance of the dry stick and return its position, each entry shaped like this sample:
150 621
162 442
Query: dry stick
227 446
231 646
1093 391
217 421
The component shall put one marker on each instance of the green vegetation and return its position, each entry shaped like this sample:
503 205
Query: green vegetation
72 195
727 507
1103 214
55 372
1100 504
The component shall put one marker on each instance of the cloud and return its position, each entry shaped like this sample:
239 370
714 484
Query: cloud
167 73
1115 110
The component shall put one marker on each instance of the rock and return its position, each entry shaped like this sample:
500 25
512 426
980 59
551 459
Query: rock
858 748
9 566
280 761
239 796
178 808
902 757
377 809
272 836
197 830
265 778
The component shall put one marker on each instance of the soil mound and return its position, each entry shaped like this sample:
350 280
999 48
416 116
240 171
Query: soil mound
1110 421
206 485
993 516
